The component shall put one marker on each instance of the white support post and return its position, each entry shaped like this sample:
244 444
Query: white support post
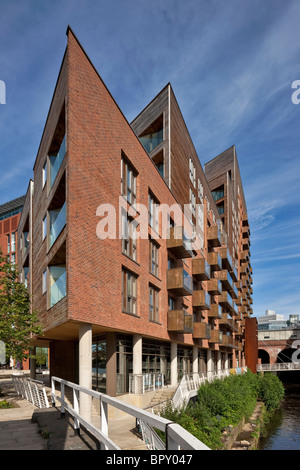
174 381
103 422
85 369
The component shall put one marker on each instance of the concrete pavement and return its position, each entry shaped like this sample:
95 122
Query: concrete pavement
23 428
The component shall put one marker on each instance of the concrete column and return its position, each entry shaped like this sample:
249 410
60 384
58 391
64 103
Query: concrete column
209 364
226 361
137 366
173 364
137 344
111 365
195 360
85 369
219 364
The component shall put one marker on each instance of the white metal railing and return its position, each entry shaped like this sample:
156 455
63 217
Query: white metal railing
32 390
147 382
279 366
175 436
190 384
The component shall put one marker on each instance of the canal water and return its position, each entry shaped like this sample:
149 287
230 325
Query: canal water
283 431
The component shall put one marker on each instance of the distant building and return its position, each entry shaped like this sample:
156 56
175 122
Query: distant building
276 321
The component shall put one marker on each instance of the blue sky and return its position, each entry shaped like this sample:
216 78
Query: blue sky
231 65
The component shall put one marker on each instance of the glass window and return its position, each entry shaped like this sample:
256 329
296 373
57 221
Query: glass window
129 292
153 258
153 304
129 236
153 213
218 193
8 243
128 182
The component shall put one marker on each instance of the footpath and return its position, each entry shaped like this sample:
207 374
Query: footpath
26 427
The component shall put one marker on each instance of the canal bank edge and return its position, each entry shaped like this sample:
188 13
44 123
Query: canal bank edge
246 435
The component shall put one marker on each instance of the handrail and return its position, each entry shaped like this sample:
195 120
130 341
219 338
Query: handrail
32 390
278 366
176 436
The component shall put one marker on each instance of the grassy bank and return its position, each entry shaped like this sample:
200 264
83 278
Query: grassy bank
224 403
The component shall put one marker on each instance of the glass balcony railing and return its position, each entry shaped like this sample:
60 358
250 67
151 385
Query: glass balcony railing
58 288
151 141
57 223
56 161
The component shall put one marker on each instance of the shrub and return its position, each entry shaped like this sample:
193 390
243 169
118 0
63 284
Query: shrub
226 402
5 404
270 390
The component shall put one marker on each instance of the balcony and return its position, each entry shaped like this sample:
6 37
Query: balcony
200 269
201 300
179 282
234 292
215 336
58 287
180 321
57 223
215 261
233 273
226 259
227 321
214 236
215 311
179 243
201 330
227 341
226 280
56 161
214 287
226 301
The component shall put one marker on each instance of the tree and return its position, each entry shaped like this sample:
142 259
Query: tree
17 323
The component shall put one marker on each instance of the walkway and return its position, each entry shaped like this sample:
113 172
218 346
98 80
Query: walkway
28 428
17 432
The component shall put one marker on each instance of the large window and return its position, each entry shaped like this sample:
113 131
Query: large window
128 181
218 193
153 304
129 236
153 135
153 258
153 213
129 292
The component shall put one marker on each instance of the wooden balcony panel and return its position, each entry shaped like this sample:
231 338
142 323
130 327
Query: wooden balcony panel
179 243
215 311
215 336
225 279
201 269
214 236
179 282
201 330
226 258
201 300
215 261
214 287
180 321
226 302
234 273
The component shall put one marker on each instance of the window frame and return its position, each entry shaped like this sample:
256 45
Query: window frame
154 306
129 300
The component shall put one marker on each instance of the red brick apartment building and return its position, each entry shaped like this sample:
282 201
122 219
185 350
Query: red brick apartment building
113 308
10 214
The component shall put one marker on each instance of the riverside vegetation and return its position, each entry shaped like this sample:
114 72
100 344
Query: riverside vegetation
224 403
